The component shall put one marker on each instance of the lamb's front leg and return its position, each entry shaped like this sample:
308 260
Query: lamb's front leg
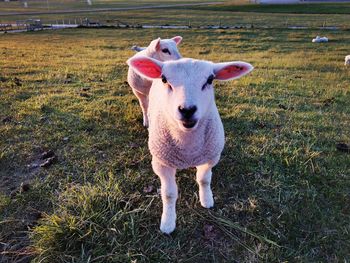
203 178
169 196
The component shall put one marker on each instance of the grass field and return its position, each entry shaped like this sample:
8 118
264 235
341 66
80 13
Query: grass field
197 17
51 5
311 8
281 188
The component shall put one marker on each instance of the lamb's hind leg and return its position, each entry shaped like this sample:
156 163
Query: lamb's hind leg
203 177
169 196
143 100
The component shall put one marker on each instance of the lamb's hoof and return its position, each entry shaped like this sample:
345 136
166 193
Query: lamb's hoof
207 202
167 227
145 123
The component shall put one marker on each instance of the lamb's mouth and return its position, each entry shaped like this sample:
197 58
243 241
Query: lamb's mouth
189 124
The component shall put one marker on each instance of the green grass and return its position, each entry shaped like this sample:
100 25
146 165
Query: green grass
281 188
196 18
51 5
313 8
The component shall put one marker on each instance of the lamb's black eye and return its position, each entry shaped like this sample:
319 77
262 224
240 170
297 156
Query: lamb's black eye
165 50
209 81
164 80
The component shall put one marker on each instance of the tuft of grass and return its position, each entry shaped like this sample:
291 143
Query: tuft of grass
96 223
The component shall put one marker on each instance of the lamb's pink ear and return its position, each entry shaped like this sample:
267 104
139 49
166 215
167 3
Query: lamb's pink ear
231 70
155 44
177 39
145 66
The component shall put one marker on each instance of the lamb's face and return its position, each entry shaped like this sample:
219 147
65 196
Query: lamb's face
188 93
185 86
166 49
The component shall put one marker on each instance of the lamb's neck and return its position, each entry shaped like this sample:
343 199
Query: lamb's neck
180 149
190 137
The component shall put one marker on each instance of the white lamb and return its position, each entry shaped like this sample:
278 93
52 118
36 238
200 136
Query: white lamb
347 60
137 48
319 39
185 126
159 49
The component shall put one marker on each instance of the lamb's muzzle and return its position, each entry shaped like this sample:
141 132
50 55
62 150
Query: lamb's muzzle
187 116
185 127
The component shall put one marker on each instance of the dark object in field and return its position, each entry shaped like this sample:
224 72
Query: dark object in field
343 147
68 79
43 118
204 52
85 95
328 102
45 160
24 187
284 107
3 79
48 162
17 81
37 215
97 79
261 124
281 106
7 119
85 88
47 154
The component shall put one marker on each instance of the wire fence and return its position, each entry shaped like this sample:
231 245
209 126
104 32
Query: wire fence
37 24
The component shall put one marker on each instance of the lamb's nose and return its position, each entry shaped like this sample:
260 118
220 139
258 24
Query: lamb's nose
187 113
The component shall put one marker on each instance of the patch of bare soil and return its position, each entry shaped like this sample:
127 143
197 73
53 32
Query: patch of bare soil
15 225
15 244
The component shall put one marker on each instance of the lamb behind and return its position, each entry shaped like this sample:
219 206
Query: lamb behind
159 49
137 48
185 126
319 39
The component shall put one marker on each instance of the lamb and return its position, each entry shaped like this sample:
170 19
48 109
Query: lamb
319 39
162 50
185 129
137 48
347 60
